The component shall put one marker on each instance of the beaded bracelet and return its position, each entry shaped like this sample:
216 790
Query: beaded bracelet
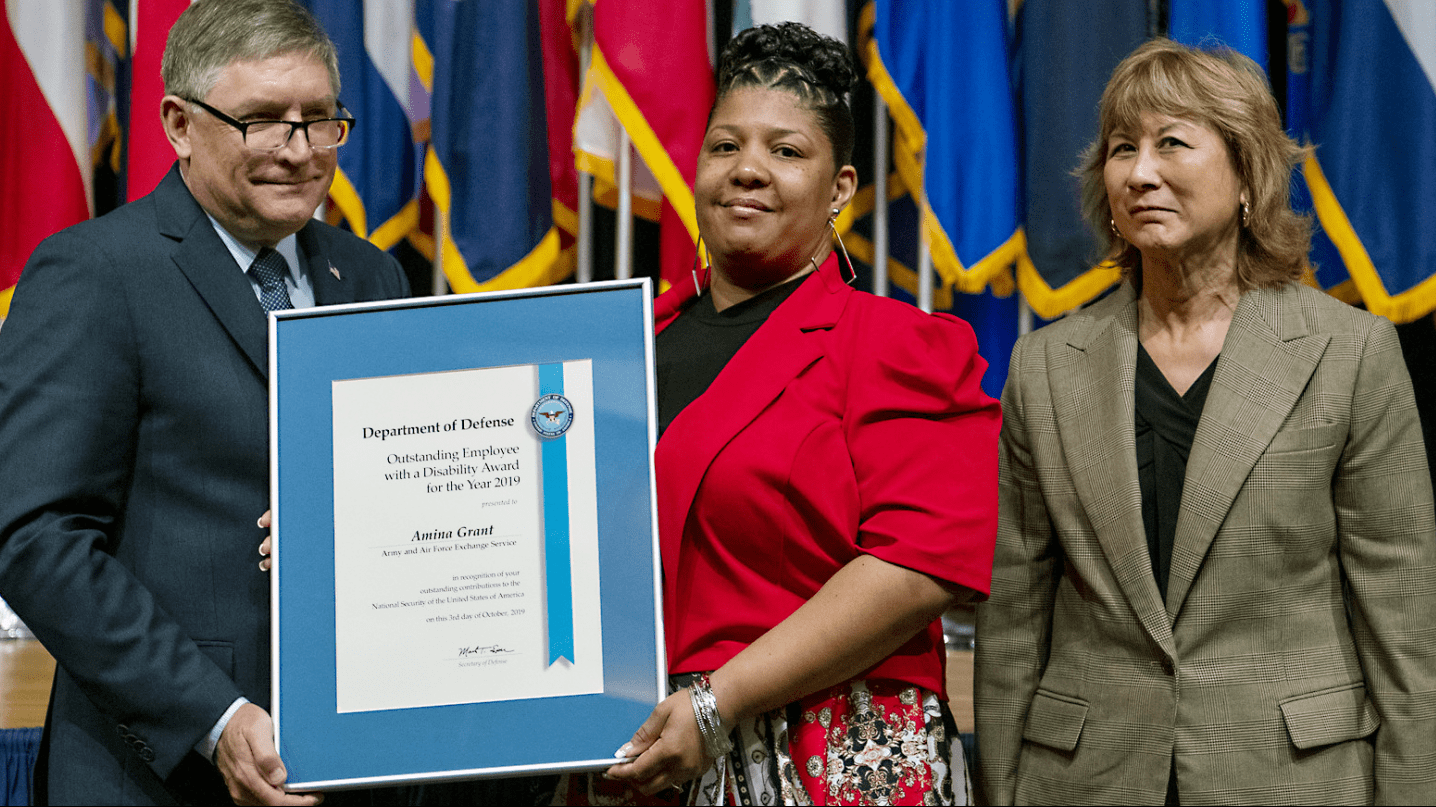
716 741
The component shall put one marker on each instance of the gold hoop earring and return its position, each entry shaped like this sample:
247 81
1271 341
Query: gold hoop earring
832 225
1112 228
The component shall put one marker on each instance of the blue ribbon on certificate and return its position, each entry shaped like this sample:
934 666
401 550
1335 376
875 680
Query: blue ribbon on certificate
559 578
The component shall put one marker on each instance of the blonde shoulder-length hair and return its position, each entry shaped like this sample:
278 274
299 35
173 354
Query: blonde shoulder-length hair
1228 92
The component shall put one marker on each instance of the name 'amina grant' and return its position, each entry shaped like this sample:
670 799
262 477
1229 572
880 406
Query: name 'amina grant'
461 532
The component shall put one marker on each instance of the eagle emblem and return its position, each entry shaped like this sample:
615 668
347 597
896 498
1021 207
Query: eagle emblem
552 415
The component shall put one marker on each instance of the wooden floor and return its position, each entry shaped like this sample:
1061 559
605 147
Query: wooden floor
959 688
26 670
25 674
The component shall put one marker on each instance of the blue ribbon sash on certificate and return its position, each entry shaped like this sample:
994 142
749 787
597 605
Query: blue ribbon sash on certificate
558 577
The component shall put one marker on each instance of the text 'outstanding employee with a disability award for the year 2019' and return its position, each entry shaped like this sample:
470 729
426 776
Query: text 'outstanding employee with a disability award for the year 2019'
453 494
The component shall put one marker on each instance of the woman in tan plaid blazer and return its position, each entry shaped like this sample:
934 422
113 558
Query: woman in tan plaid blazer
1258 626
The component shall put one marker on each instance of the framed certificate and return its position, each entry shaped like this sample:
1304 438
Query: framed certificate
466 569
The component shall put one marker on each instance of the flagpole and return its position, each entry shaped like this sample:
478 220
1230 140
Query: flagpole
623 235
1024 315
585 228
584 271
441 232
880 196
924 275
924 251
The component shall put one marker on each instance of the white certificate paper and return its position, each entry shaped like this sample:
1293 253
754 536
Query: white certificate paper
441 574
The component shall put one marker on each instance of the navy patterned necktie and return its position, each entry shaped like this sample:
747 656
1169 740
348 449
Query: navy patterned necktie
269 268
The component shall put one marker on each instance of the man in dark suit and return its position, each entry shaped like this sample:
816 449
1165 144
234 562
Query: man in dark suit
134 421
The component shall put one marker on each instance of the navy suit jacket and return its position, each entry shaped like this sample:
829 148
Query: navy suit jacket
133 463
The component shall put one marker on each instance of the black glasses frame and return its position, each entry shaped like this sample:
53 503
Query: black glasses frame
243 126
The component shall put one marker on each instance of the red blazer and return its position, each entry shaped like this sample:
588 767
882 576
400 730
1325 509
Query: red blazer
847 424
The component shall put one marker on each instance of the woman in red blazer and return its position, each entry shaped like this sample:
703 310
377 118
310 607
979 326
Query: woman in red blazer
827 474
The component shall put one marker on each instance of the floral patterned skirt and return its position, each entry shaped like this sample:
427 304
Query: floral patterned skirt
863 742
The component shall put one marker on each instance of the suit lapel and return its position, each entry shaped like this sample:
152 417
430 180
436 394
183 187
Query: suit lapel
789 342
1266 361
331 286
207 264
1093 381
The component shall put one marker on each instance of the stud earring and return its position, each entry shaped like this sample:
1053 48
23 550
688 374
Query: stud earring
1246 213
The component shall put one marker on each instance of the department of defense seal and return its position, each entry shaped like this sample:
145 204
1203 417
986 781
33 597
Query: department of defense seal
552 415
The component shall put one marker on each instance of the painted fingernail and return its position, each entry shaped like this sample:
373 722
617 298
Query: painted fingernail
622 753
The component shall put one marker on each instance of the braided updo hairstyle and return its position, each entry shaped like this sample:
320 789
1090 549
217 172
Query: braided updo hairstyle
792 57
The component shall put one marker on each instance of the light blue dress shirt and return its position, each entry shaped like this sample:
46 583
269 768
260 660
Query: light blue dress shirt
297 281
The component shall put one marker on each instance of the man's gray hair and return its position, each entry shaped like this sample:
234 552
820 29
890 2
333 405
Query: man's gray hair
213 34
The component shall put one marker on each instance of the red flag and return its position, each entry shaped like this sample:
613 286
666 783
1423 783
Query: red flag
560 78
652 64
42 186
150 154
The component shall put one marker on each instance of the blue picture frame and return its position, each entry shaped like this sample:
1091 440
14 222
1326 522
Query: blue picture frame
609 323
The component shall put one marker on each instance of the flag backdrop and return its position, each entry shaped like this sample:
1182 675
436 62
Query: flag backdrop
148 152
651 65
376 189
106 48
942 68
477 105
487 165
1237 24
44 153
1363 92
1066 51
561 81
944 72
824 16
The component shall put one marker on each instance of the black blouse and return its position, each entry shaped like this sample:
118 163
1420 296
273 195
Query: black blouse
696 346
1166 424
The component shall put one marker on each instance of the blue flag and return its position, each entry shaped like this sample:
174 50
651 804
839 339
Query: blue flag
942 68
1066 50
487 166
1362 90
1236 24
376 189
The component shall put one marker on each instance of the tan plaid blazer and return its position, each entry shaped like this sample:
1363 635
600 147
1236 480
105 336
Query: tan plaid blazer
1294 660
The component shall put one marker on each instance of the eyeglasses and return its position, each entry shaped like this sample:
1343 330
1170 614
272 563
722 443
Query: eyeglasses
271 135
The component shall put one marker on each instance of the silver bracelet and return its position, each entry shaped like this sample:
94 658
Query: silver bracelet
716 741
